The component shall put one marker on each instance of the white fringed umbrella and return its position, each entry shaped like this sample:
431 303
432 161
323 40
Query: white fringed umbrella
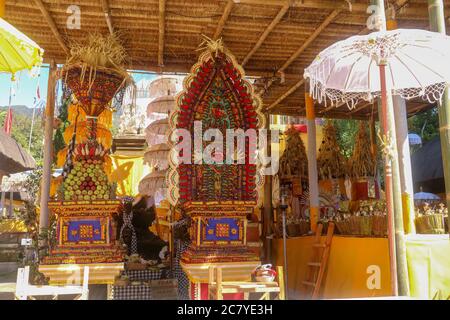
164 104
408 63
415 63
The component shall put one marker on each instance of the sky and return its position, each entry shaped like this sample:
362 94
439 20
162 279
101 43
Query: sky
25 86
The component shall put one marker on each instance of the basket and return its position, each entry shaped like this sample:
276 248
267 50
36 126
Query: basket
93 96
292 230
304 227
379 226
430 224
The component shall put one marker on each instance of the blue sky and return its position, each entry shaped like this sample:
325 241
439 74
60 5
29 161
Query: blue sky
25 86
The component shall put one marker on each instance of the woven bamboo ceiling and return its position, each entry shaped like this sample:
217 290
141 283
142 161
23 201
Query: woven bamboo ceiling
274 39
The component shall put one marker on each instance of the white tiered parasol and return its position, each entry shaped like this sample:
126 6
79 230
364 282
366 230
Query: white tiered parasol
164 105
152 182
157 155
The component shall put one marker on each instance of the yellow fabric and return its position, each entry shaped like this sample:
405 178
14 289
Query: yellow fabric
104 136
54 185
127 171
18 52
428 265
12 226
104 119
347 272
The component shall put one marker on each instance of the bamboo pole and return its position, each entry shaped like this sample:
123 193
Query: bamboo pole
397 247
304 46
223 19
161 21
267 204
437 22
48 149
312 162
404 155
266 32
107 13
286 94
51 24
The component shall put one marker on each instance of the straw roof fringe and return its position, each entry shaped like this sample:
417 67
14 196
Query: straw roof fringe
275 39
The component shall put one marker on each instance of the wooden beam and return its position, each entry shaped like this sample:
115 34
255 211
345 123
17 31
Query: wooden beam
223 19
107 13
361 107
312 4
162 14
51 24
266 32
286 94
310 39
303 47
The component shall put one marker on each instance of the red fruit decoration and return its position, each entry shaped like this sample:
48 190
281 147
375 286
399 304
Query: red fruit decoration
217 80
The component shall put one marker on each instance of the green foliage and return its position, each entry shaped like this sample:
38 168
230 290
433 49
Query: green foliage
58 138
346 133
425 124
21 126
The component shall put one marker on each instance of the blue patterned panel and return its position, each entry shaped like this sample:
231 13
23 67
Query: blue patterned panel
84 231
223 229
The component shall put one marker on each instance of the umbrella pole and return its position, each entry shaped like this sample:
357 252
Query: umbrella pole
388 185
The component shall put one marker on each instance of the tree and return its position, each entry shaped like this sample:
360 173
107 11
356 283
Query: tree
21 126
425 124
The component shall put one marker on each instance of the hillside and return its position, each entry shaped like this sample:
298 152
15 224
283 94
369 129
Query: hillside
19 109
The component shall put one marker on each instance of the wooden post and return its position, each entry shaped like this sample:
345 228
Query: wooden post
267 204
437 23
397 247
11 203
2 8
312 163
48 148
3 213
404 155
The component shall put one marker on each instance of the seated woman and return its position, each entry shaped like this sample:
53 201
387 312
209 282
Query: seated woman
148 245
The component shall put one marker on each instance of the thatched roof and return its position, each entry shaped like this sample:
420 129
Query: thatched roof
13 158
267 36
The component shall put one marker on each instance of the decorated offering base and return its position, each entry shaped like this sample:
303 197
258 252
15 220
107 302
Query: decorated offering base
220 195
218 232
99 273
85 235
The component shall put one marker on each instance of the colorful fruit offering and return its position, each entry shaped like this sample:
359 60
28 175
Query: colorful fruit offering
87 180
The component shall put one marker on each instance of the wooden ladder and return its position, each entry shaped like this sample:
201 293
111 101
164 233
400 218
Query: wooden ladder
316 268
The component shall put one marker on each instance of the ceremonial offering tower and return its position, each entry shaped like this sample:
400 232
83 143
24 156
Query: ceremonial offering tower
217 196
